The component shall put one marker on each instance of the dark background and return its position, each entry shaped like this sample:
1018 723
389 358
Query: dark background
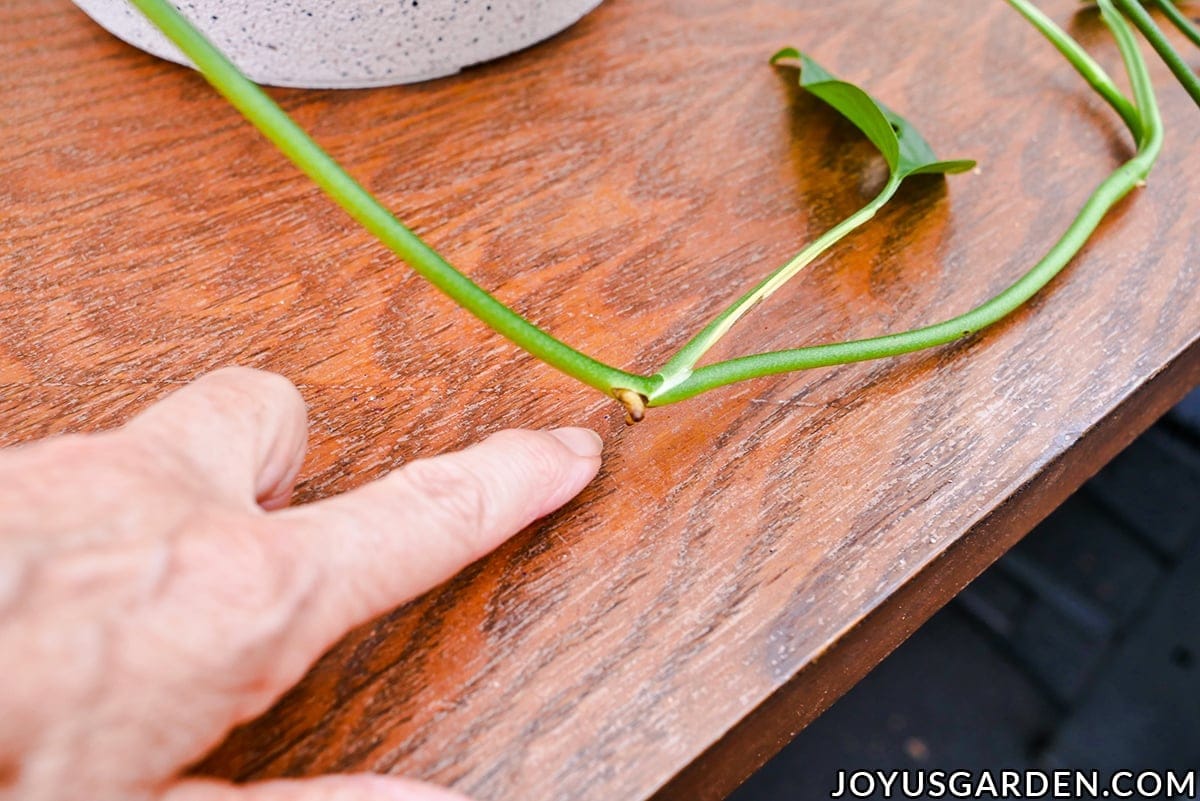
1079 649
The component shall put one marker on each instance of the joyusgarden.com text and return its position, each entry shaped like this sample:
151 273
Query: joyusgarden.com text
1013 784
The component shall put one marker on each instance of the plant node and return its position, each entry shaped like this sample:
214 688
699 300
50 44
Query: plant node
634 403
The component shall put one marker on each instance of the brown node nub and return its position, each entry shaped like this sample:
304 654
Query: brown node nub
634 403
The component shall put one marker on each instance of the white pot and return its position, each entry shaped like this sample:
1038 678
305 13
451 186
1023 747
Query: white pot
350 43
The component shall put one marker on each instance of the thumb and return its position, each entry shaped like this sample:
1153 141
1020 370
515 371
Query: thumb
358 787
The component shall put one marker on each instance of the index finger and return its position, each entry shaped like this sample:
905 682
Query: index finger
384 543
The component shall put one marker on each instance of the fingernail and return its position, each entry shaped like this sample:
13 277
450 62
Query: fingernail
581 441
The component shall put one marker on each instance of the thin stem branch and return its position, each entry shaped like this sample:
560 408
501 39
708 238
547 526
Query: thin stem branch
680 366
1135 66
1166 51
306 154
1083 63
1120 183
1179 20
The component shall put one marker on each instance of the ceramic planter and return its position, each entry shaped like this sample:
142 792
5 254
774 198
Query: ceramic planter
351 43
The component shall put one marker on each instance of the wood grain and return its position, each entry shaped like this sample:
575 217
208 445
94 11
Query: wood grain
744 557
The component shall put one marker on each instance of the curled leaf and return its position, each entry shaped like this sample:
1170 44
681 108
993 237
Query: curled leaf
906 151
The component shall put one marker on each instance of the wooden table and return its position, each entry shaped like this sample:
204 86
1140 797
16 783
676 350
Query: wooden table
745 557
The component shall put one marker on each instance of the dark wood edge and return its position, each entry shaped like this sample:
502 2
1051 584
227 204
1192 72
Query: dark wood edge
774 723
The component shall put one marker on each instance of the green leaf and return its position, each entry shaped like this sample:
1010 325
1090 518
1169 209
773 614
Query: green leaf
906 151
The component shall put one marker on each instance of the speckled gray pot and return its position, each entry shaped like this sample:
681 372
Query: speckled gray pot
351 43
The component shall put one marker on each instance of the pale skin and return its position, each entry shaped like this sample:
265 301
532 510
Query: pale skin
156 588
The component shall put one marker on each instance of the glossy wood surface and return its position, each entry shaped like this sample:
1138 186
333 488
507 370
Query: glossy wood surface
744 557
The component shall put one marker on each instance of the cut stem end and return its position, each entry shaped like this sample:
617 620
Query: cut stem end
634 403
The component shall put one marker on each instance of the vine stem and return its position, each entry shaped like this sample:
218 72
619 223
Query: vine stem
308 156
1142 20
678 380
1084 64
1121 182
680 366
1179 20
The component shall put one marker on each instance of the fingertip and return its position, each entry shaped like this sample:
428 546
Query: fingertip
583 448
581 441
540 470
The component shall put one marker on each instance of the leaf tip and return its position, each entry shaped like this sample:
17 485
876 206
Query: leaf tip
787 53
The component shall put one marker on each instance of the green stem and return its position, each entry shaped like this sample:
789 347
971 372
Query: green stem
1166 51
1084 64
677 381
1135 66
306 154
680 366
1108 194
1180 20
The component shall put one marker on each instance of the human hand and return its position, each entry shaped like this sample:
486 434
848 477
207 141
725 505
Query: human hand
155 590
